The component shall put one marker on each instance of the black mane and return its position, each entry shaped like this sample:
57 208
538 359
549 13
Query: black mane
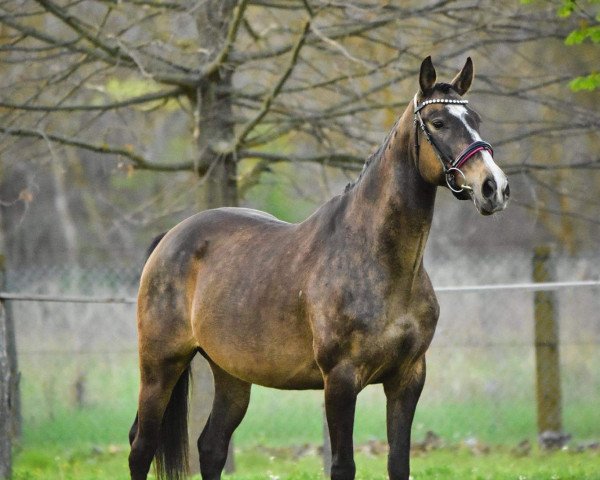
377 154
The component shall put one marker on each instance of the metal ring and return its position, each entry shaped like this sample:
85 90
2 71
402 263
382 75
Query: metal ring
462 187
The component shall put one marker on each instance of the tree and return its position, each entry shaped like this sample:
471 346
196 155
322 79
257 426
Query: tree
83 57
251 83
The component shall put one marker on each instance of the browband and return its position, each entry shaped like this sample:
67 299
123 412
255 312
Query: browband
438 100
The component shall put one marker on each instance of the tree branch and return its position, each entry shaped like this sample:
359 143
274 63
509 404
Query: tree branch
558 213
336 33
528 167
43 37
137 160
75 24
116 56
241 137
150 97
340 160
223 56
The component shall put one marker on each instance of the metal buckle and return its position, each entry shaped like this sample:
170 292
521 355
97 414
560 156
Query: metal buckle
462 187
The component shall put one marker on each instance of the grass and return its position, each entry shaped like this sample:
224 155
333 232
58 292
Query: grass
469 393
110 462
90 443
495 406
279 418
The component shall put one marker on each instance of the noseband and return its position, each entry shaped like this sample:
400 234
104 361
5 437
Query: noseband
449 165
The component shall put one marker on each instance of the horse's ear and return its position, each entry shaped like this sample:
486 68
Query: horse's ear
427 76
462 81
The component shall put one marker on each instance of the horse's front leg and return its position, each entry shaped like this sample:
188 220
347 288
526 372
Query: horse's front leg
340 402
402 391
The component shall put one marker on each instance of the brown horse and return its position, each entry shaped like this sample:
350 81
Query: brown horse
337 302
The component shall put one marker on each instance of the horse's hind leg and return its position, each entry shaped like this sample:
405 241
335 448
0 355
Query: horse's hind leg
230 403
158 379
133 430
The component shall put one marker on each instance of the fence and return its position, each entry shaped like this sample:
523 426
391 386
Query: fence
79 365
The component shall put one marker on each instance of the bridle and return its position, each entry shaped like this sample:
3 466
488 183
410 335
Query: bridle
449 165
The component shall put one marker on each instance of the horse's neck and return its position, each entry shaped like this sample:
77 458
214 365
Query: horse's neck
393 205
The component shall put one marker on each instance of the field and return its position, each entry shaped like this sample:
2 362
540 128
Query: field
110 462
280 436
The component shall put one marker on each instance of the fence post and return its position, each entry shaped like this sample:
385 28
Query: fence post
549 411
14 391
5 410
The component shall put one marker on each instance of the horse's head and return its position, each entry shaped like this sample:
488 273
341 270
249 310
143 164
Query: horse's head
449 150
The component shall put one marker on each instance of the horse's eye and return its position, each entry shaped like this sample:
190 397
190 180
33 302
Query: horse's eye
437 124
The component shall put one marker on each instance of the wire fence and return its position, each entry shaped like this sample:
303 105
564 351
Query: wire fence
78 359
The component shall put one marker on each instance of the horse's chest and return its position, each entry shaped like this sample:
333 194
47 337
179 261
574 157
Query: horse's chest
378 339
392 340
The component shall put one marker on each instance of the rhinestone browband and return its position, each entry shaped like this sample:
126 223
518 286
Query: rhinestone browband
439 100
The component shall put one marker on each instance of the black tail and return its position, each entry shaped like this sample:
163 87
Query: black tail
155 241
171 457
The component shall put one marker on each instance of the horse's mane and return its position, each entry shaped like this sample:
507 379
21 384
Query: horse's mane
376 155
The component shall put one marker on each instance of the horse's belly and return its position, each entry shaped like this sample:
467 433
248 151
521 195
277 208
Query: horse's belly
277 354
281 370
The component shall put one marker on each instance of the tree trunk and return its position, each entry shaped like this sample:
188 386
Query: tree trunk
214 132
5 410
215 124
10 344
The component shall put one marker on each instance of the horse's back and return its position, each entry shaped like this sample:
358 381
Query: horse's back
197 236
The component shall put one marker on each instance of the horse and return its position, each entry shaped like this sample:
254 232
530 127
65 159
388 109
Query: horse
337 302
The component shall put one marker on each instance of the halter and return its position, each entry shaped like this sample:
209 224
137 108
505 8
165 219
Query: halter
448 164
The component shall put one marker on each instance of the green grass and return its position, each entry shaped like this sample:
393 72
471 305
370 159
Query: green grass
90 444
74 463
494 405
91 426
110 462
440 465
287 418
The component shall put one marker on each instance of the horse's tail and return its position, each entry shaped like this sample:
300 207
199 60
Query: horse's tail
171 457
155 241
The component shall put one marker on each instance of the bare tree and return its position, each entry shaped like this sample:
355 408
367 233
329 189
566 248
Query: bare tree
267 81
249 73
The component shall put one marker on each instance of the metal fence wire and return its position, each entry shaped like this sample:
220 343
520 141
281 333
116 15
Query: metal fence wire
78 361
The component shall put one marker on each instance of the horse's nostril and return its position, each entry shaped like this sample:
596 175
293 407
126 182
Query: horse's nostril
489 188
506 191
